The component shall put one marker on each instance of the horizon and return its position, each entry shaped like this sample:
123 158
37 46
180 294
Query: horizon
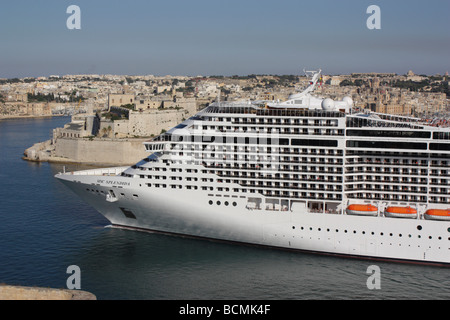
210 37
214 75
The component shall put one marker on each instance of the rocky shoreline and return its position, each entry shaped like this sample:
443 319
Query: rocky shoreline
8 292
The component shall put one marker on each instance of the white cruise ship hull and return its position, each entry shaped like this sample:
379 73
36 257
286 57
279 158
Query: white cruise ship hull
306 174
189 213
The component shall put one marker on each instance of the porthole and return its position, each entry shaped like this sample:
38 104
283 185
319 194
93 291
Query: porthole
218 203
234 204
226 203
210 202
419 227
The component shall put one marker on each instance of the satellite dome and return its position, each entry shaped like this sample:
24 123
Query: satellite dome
328 104
348 100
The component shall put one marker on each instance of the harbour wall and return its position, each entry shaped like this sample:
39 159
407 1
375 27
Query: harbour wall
90 151
105 151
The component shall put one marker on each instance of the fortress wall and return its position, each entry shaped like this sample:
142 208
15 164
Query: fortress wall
101 150
151 123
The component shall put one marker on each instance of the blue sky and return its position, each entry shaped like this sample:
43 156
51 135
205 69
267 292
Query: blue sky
232 37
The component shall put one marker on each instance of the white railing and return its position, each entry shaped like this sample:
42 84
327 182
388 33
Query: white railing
99 172
155 145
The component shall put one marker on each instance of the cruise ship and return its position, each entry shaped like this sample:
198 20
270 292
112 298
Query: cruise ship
308 174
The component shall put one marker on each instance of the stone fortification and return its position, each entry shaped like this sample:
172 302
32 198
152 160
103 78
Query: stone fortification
149 122
100 151
89 151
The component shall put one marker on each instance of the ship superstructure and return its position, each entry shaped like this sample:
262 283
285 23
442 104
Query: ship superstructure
307 174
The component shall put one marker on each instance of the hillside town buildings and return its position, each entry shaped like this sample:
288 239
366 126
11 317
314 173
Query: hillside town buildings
69 94
112 113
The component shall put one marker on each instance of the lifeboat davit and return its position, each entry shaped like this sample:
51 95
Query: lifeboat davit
362 210
437 214
400 212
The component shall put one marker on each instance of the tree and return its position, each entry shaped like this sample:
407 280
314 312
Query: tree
346 82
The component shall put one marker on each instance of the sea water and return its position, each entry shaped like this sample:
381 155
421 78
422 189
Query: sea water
45 228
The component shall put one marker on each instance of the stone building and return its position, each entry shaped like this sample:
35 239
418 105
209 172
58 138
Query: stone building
119 99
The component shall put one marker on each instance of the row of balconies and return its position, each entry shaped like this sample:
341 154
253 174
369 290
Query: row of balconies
397 171
302 195
387 197
259 149
277 176
397 162
319 187
320 161
399 197
386 162
386 179
223 146
315 152
439 200
263 158
386 187
397 188
386 170
276 121
281 130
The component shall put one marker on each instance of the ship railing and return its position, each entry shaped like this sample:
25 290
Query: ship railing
99 172
154 146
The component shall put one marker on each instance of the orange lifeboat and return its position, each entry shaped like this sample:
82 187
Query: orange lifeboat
362 210
437 214
400 212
